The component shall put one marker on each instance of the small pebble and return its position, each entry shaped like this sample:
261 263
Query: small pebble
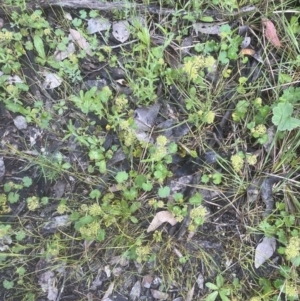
20 123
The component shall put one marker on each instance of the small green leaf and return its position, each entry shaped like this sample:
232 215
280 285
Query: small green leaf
93 13
121 176
172 148
212 297
45 200
39 46
219 280
20 235
134 219
140 180
282 117
100 235
217 178
211 286
285 78
27 181
102 166
223 293
207 19
13 197
196 199
95 194
8 284
21 271
205 179
147 186
7 187
76 22
66 165
83 14
164 192
223 57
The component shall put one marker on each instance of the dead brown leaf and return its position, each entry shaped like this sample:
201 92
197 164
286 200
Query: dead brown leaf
160 218
248 51
271 33
81 41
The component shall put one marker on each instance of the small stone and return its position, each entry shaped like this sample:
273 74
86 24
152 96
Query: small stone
159 295
20 123
147 280
135 291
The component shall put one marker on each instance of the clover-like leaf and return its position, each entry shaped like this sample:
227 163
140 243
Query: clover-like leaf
164 192
121 176
282 117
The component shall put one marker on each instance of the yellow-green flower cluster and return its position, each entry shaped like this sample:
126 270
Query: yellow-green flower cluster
160 149
291 290
129 137
255 299
252 159
198 212
95 210
62 208
209 117
33 203
237 162
47 31
109 220
160 153
124 124
3 204
6 35
293 248
190 69
156 204
259 130
157 236
84 208
90 230
142 253
192 66
121 101
161 140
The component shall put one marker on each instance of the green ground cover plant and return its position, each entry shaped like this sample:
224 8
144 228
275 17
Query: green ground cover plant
155 157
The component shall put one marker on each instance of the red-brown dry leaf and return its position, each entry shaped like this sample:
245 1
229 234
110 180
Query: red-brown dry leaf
271 33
